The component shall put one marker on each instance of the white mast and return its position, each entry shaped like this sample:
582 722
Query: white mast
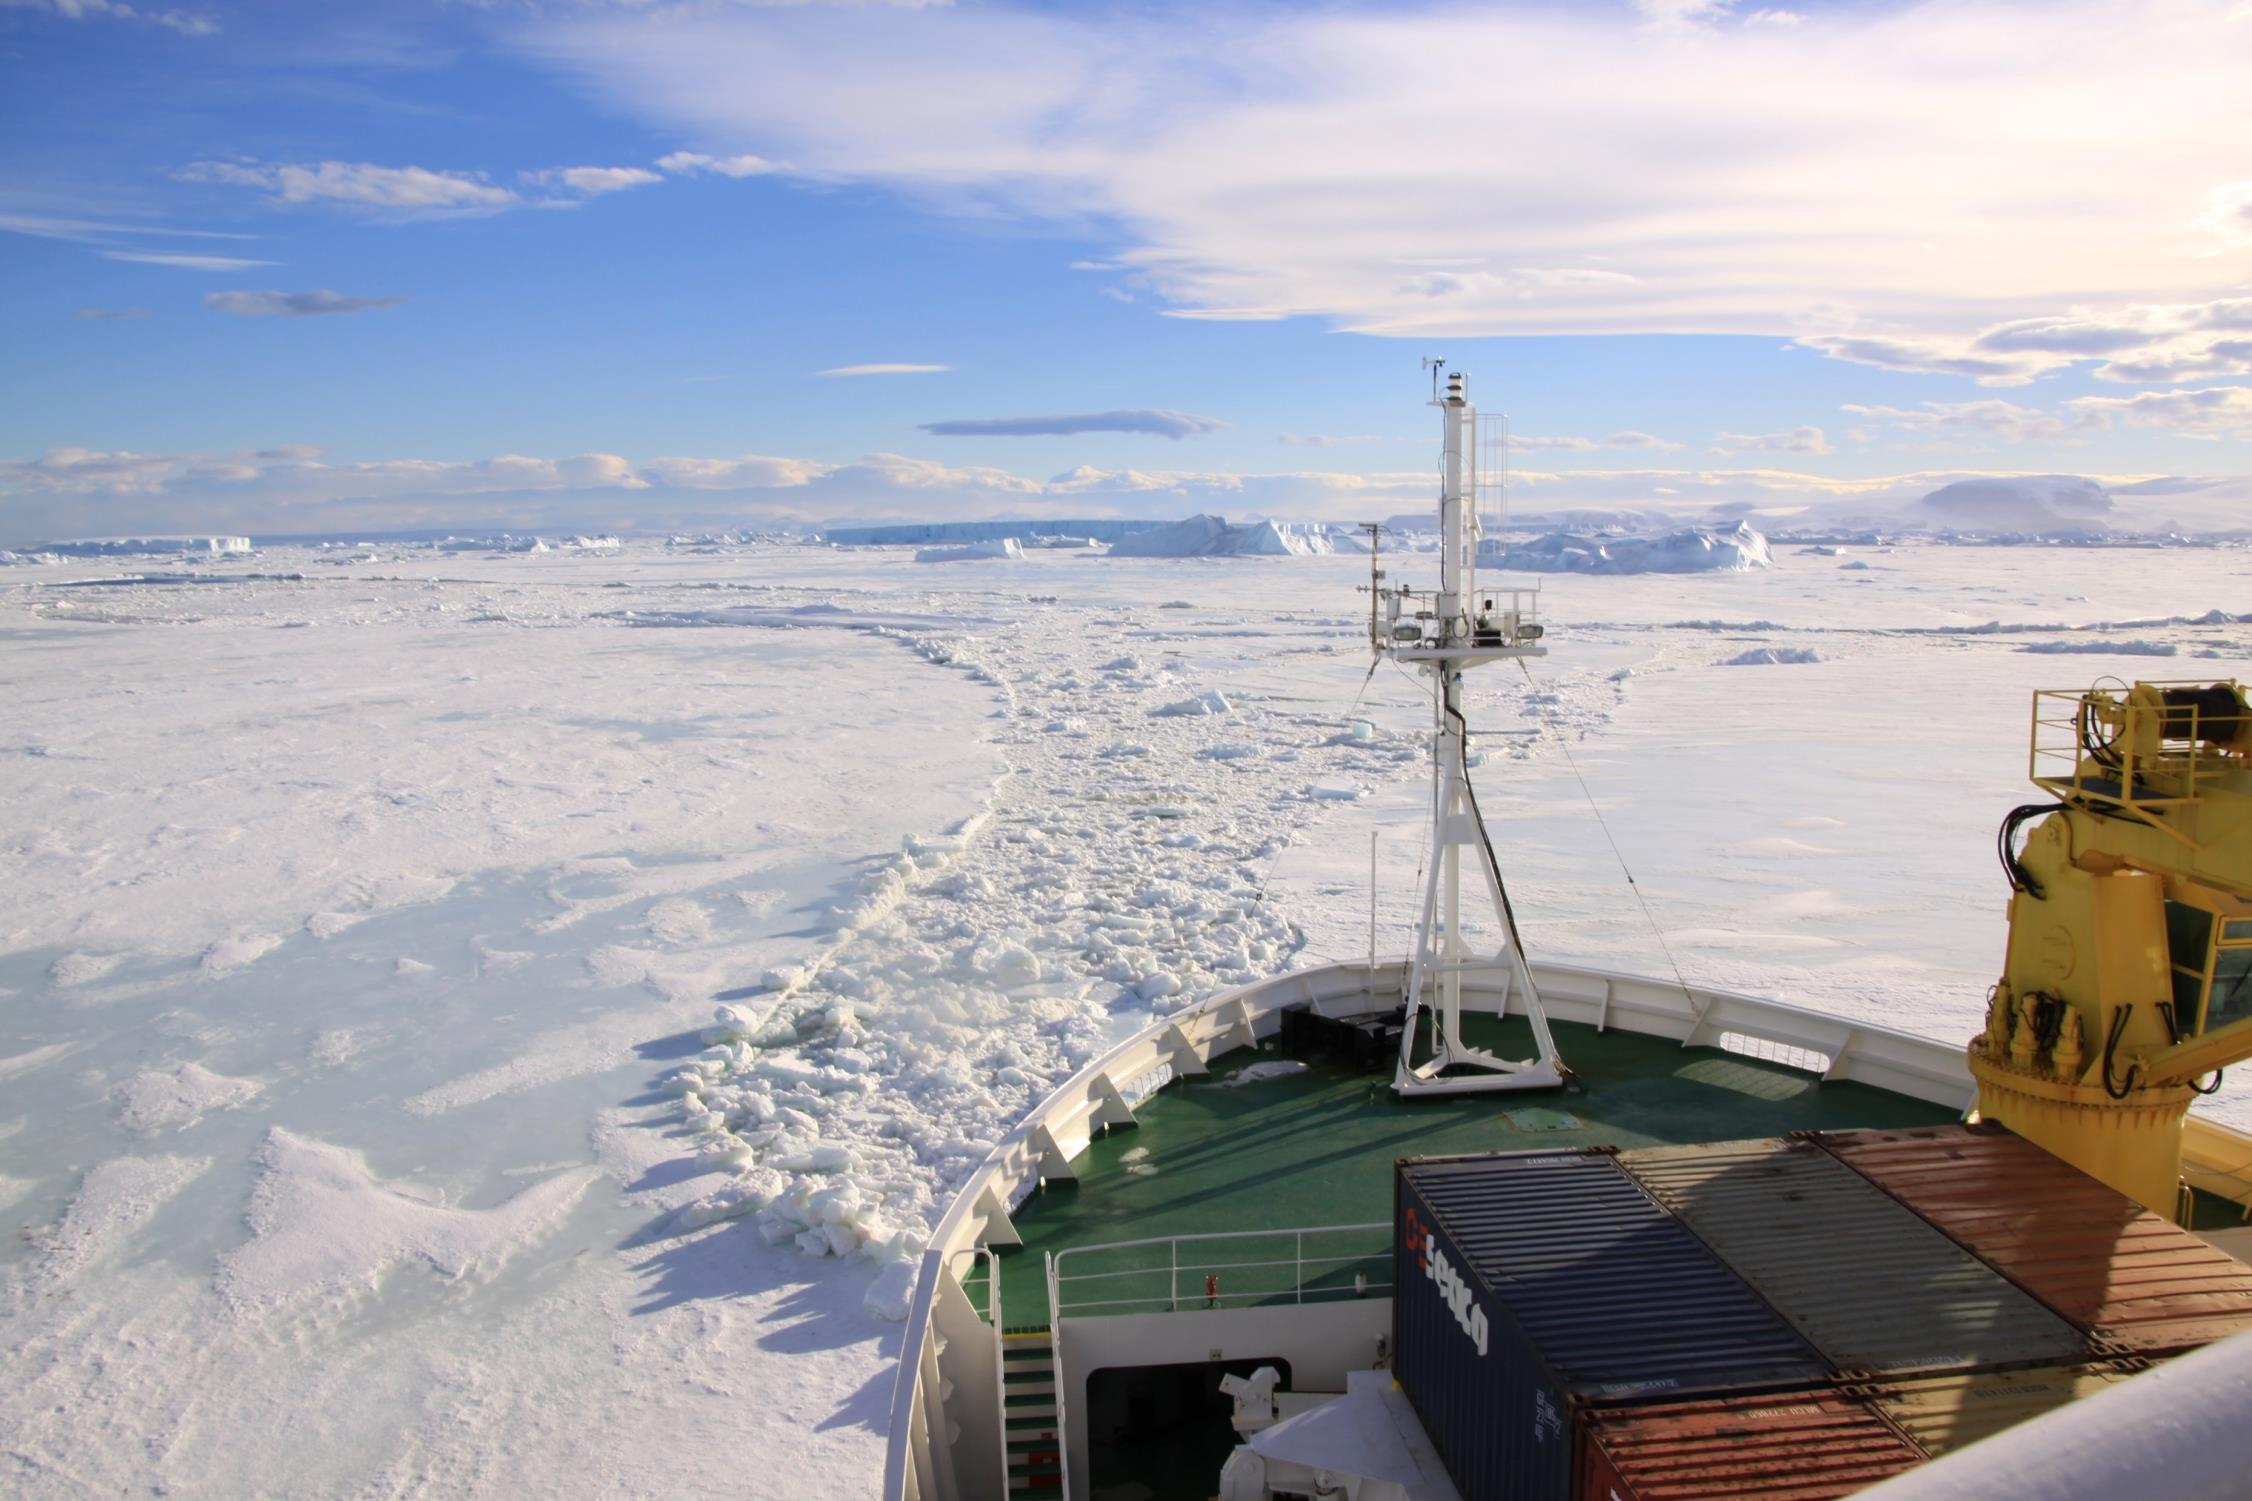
1445 634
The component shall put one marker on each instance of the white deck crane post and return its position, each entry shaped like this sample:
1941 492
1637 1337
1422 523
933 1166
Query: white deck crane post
1445 634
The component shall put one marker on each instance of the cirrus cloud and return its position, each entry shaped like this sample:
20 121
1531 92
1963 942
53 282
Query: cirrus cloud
1152 420
293 304
185 262
1647 442
890 369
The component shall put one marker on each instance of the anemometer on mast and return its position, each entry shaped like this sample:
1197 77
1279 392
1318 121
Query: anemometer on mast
1443 634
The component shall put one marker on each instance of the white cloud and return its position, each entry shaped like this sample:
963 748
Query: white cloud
294 304
1797 440
76 491
1320 440
750 472
1887 183
592 182
187 23
885 370
185 262
2216 412
87 471
414 192
688 163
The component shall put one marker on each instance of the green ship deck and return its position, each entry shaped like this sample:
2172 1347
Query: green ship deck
1316 1147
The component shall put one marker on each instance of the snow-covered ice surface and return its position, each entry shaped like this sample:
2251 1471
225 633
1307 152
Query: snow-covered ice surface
480 1022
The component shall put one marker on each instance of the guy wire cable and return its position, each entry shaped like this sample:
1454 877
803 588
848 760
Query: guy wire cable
1641 901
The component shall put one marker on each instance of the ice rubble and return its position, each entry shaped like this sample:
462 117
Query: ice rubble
1697 550
2102 648
1213 537
843 1103
1773 656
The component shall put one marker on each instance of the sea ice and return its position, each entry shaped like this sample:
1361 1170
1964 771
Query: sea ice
324 1229
171 1098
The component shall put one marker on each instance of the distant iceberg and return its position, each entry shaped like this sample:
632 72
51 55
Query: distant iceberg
1697 550
999 547
113 547
1213 537
1035 533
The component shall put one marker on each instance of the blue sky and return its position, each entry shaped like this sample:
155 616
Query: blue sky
279 267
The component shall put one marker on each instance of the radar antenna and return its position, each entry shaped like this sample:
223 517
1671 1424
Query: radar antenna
1444 634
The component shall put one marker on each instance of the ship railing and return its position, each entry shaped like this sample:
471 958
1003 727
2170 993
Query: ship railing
974 1268
1224 1269
2079 758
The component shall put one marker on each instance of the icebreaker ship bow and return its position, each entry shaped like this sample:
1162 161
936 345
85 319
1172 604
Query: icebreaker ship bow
1754 1249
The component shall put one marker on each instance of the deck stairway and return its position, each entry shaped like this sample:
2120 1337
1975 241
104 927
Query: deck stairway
1028 1395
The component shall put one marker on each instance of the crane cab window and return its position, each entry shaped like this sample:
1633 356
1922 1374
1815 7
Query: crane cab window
2211 961
2230 999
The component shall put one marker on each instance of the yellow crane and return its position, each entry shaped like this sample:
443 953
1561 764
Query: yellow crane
2129 980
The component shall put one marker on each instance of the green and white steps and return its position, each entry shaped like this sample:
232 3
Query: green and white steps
1028 1400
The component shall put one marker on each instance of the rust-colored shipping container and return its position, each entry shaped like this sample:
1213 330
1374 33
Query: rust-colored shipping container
1941 1414
2084 1250
1782 1446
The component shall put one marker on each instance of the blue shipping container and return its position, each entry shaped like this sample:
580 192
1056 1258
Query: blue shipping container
1532 1283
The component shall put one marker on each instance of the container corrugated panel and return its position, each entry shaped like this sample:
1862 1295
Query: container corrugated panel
1868 1284
1529 1283
1944 1413
1783 1446
2089 1252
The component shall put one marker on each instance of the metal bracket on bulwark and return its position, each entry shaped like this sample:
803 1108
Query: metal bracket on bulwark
999 1229
1240 1033
1111 1110
1049 1159
1181 1054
